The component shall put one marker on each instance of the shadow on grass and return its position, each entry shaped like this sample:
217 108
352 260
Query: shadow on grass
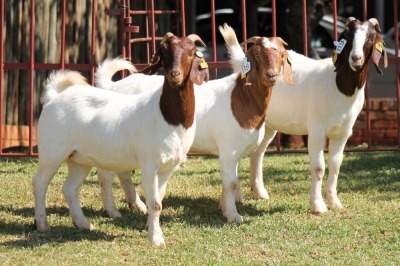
58 234
197 212
359 172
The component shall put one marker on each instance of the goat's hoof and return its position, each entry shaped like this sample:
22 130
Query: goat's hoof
84 225
112 213
318 208
41 226
157 240
234 218
260 193
140 206
334 203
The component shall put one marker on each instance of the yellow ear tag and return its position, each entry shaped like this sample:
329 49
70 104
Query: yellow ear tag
203 64
334 56
379 46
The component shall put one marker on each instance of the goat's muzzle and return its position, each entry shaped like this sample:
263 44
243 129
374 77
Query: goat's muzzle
272 77
175 77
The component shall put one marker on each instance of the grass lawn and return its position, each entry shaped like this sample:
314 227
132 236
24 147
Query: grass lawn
280 231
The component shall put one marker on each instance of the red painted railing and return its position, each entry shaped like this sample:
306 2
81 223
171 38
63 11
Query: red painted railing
127 40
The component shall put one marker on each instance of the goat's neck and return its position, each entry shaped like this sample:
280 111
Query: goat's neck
349 81
178 104
249 103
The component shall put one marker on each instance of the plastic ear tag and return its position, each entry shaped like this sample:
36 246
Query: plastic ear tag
334 57
199 54
245 67
339 45
379 46
289 60
203 63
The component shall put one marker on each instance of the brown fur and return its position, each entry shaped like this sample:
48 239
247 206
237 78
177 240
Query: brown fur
347 80
181 70
250 96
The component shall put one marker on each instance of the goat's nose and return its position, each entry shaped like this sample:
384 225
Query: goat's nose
175 73
356 58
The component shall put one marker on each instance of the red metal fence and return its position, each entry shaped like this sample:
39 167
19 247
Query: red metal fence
185 16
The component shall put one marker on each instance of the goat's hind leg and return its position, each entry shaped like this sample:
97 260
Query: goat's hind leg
134 201
40 183
106 180
76 175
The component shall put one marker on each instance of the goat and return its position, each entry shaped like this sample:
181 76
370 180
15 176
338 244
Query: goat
324 103
85 127
230 112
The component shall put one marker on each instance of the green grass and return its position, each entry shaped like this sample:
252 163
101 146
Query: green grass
281 231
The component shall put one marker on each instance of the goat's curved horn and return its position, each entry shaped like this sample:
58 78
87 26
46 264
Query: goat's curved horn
283 42
196 38
375 22
166 36
349 20
251 40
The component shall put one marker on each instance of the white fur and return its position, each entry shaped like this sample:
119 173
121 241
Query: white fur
217 132
313 106
85 126
358 43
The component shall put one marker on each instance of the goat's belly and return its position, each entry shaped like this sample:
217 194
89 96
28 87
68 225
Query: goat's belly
294 128
105 161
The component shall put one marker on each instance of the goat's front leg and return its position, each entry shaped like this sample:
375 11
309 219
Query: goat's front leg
336 147
106 180
134 201
153 201
76 175
256 166
230 183
317 168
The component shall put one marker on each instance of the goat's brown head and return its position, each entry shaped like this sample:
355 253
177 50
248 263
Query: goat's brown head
359 42
266 57
180 60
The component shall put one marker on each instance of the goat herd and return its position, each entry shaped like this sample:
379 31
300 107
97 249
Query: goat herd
151 122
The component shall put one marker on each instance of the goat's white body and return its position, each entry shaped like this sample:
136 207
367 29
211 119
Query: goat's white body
315 107
217 131
103 129
314 101
85 126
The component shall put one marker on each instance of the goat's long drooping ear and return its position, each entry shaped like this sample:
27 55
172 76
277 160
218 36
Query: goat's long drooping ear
199 73
252 55
287 69
377 50
156 63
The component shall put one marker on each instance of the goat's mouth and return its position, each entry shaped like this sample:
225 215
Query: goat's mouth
175 81
356 65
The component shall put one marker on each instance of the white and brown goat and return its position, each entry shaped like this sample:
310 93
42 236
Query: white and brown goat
324 103
85 126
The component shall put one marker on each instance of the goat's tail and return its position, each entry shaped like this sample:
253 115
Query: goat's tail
58 81
235 51
105 71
